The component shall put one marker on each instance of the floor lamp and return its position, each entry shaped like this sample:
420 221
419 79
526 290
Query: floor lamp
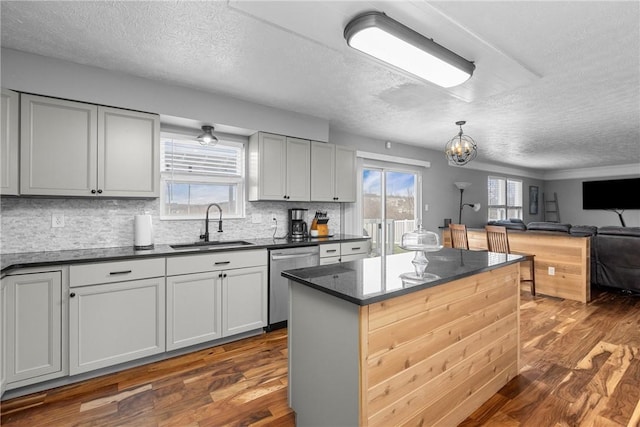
475 206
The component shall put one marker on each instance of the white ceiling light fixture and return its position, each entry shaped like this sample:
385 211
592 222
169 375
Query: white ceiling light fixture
207 137
461 149
375 34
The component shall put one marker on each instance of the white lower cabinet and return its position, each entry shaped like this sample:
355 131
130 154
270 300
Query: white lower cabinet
244 305
194 309
207 305
351 251
115 323
32 328
3 357
329 253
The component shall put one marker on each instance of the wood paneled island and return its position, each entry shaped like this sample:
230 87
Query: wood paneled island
367 348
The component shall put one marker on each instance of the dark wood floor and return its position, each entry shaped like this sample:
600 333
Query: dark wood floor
580 367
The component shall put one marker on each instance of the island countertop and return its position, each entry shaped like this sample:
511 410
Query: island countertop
372 280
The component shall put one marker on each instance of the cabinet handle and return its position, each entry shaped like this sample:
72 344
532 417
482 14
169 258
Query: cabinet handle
220 276
99 191
224 275
284 197
93 191
355 249
72 294
222 262
114 273
330 251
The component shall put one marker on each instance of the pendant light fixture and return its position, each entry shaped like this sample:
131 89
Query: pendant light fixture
207 137
375 34
461 149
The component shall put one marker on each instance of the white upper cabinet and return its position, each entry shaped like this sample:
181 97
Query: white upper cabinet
298 177
9 143
128 153
71 148
279 168
333 173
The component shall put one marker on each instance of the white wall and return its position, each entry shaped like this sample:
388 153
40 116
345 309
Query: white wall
25 72
438 189
569 193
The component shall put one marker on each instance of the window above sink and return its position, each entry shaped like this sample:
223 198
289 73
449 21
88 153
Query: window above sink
193 176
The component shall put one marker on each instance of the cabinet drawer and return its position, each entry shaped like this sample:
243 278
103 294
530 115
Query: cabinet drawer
348 248
329 260
117 271
329 249
218 261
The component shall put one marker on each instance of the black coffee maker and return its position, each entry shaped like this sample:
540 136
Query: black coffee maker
297 225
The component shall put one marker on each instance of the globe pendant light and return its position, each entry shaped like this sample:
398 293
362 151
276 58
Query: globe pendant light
461 149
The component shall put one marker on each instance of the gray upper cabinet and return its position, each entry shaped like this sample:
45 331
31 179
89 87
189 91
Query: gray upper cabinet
333 173
70 148
279 168
9 143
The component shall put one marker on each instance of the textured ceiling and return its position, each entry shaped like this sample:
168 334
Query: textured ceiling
557 84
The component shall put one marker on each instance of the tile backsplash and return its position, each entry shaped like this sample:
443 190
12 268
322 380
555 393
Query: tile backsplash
25 223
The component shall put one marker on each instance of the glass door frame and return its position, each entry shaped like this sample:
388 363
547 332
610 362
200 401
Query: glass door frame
383 236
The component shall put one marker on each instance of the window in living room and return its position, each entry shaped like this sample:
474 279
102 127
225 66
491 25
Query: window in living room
505 198
193 176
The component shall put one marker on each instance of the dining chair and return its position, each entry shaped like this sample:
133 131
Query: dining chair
498 241
459 236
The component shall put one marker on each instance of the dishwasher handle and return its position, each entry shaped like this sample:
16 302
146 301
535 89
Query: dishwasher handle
277 257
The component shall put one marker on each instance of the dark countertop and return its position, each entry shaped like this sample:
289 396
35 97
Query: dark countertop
377 279
43 259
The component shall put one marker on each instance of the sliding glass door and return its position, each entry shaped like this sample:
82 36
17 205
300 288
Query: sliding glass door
390 201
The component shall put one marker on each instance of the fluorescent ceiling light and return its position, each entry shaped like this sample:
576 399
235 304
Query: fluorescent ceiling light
375 34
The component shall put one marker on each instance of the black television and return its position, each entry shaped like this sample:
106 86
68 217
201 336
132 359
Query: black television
612 194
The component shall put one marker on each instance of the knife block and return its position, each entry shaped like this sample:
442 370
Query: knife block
323 230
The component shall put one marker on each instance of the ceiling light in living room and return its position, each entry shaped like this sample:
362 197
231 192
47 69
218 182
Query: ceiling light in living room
375 34
461 149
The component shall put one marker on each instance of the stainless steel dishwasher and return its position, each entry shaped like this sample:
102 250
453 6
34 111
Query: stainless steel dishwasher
279 261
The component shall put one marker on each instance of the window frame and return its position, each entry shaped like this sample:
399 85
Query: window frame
506 206
239 181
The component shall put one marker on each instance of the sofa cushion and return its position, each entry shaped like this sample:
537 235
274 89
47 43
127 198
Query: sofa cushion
549 226
511 224
613 230
583 230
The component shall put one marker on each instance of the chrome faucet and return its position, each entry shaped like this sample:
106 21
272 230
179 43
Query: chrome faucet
205 236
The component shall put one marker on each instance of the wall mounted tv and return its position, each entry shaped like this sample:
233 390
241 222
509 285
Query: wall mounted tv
613 194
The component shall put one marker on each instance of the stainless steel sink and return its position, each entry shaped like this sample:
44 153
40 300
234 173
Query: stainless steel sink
212 245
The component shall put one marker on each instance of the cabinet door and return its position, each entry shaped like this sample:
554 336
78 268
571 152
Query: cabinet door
345 174
33 325
115 323
194 309
3 347
9 143
128 153
58 142
273 167
323 171
244 304
298 170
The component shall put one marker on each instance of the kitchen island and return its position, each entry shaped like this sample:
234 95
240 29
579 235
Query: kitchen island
368 348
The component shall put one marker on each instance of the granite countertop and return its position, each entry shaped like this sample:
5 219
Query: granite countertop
42 259
371 280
